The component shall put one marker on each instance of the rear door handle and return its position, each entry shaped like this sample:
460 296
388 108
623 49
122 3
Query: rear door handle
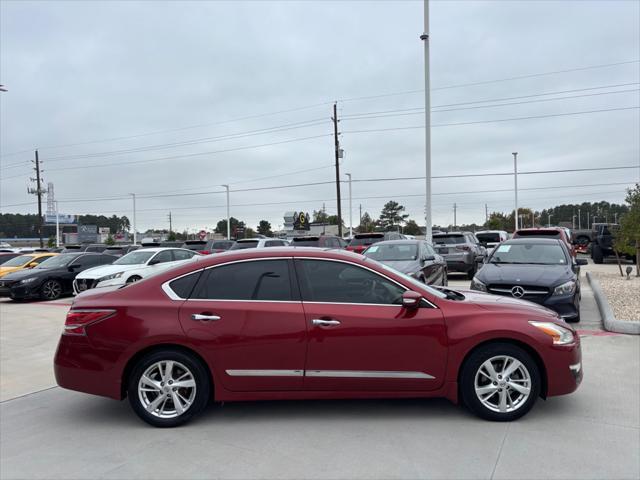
204 318
324 323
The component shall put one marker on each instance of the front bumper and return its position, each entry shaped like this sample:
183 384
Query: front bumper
564 368
19 291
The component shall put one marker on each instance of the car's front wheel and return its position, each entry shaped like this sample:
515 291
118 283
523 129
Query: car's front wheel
167 388
500 382
51 290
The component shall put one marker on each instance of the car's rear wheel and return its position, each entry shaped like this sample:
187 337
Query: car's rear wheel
500 382
471 273
51 290
445 278
134 278
167 388
596 254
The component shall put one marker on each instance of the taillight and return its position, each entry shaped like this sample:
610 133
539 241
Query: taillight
463 247
205 252
78 320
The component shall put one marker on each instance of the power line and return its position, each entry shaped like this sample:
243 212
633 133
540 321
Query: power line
498 120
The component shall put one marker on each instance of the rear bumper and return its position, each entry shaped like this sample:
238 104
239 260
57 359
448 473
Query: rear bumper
459 263
76 367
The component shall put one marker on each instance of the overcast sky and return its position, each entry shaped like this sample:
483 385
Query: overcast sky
142 97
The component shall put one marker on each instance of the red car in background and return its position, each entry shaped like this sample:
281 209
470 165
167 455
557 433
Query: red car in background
557 233
306 323
361 241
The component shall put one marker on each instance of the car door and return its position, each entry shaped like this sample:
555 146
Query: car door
430 268
361 338
248 318
161 261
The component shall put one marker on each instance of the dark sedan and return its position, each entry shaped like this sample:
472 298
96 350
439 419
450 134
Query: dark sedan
535 269
52 278
415 258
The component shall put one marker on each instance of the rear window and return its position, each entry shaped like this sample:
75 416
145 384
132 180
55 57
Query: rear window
449 239
195 246
538 234
305 242
488 237
224 245
244 245
366 240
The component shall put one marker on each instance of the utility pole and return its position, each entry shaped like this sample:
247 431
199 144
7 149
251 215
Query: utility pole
588 224
455 209
579 224
324 217
228 216
170 224
548 219
135 235
38 191
515 178
427 124
486 212
350 210
57 225
360 216
337 153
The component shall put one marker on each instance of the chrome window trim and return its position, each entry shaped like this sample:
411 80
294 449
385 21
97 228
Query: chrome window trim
173 296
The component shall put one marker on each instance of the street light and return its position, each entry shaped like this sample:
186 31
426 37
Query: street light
427 124
515 179
135 237
57 224
350 210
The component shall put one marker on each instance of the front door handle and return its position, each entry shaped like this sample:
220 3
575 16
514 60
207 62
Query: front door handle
204 318
324 323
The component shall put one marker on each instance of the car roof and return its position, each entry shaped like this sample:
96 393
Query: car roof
399 242
491 231
160 249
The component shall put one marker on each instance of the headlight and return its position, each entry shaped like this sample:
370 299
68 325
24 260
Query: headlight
560 335
28 280
478 285
110 277
565 289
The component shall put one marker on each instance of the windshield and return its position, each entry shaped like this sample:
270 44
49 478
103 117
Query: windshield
449 239
488 237
392 252
18 261
57 261
135 258
412 281
366 240
529 253
244 245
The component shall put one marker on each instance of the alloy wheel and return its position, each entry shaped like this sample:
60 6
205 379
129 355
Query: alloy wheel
502 384
51 290
167 389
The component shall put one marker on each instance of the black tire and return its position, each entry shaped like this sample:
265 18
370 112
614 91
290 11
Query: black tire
472 366
134 278
51 290
445 278
193 365
471 273
596 254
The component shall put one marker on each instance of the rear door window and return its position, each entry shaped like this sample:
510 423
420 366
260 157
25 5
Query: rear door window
162 257
255 280
182 255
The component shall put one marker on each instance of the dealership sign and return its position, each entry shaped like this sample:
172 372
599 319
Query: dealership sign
301 221
63 219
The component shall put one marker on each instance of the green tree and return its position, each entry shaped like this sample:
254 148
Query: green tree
221 226
412 228
110 240
172 237
392 215
627 238
51 242
264 228
320 216
366 223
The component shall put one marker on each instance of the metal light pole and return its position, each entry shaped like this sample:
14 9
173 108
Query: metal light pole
350 210
135 235
228 217
427 124
57 225
579 223
515 178
548 220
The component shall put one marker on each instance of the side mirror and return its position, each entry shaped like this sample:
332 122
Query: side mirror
429 258
31 265
153 262
411 299
73 267
581 261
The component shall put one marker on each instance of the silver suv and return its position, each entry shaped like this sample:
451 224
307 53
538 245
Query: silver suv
462 251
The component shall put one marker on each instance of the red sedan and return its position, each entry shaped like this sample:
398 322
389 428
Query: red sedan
287 323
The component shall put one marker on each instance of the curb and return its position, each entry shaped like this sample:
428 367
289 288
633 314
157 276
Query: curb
608 318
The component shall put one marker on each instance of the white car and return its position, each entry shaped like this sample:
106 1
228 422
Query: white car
258 243
132 267
490 239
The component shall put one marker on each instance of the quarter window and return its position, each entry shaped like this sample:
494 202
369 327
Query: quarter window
182 254
162 257
256 280
183 286
338 282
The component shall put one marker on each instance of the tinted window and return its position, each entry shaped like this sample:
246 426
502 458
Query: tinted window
273 243
538 234
366 240
96 248
224 245
306 242
134 258
338 282
257 280
449 239
106 259
489 237
182 255
87 260
163 257
243 245
184 286
195 245
40 260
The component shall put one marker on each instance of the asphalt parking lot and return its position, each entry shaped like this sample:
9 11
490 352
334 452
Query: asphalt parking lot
47 432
